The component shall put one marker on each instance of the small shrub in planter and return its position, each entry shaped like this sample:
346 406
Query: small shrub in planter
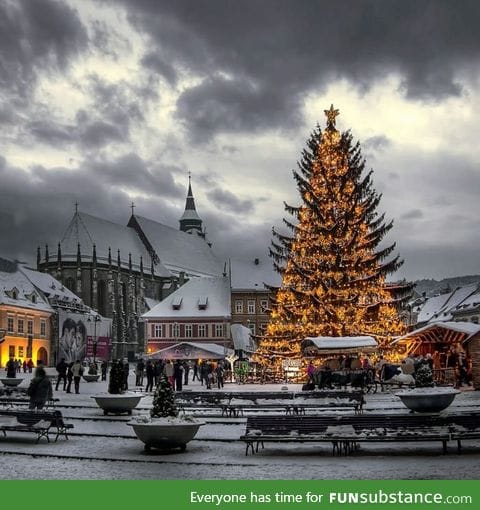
163 400
115 384
424 377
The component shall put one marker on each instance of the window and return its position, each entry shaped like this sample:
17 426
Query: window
157 330
264 305
219 330
20 351
202 330
43 327
188 330
251 327
20 326
30 327
175 328
10 325
238 306
11 351
251 306
263 328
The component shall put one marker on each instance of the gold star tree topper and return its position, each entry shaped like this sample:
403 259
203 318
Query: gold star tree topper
331 114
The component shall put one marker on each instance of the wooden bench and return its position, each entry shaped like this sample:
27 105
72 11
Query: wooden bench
235 403
462 427
14 401
343 431
39 422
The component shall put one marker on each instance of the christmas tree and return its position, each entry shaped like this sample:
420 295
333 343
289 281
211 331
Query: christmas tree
163 400
333 272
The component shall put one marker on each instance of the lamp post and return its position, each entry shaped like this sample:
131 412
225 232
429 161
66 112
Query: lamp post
95 319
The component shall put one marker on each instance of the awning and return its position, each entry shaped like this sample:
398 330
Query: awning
192 350
338 345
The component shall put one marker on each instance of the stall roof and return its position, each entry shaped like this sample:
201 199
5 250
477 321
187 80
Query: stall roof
465 330
340 344
192 350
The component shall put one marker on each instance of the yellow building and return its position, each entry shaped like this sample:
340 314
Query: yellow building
25 318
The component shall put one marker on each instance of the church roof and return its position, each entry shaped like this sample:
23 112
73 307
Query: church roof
179 251
198 298
89 230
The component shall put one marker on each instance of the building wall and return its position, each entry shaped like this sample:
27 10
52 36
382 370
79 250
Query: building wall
250 308
174 331
16 343
116 293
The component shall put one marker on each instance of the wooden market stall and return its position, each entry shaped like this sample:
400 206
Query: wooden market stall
445 341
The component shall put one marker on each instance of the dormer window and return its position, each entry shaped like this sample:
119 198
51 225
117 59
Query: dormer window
202 302
13 293
177 303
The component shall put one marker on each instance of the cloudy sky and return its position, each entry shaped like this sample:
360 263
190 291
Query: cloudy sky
105 102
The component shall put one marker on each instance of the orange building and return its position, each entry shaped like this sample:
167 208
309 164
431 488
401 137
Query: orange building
25 318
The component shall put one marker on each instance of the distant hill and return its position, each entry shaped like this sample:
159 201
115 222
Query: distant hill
433 287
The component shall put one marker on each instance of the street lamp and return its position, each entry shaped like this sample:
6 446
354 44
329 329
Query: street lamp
95 319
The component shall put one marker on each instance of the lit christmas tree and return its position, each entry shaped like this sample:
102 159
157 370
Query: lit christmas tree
333 273
163 400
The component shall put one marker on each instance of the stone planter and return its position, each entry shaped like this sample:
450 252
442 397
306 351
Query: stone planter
165 433
428 400
11 381
118 404
91 377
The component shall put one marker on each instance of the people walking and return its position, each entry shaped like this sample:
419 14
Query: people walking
220 372
195 371
126 370
30 365
61 368
10 368
150 373
77 371
186 372
139 372
169 372
69 377
40 390
178 375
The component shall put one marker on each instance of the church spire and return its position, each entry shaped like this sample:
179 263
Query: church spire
190 219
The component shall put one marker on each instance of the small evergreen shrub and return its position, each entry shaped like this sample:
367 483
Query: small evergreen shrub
115 384
163 400
424 377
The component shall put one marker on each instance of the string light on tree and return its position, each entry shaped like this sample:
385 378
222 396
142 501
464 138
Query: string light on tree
333 271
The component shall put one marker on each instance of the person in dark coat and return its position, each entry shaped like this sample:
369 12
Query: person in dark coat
150 373
62 368
104 369
126 370
40 389
178 375
195 372
69 377
11 369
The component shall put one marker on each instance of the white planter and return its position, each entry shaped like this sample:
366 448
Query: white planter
118 404
91 377
11 381
428 400
165 433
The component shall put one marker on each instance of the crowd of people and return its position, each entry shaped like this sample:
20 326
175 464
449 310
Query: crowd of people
15 366
178 373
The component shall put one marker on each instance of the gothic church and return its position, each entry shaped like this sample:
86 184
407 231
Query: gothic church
123 271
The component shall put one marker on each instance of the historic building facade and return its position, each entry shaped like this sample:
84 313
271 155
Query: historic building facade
117 269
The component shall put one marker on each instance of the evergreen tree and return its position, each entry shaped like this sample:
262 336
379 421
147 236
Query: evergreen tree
424 376
333 273
115 384
163 400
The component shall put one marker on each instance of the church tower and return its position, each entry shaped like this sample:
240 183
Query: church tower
190 221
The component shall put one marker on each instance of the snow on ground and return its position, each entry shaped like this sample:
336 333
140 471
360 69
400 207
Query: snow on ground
106 448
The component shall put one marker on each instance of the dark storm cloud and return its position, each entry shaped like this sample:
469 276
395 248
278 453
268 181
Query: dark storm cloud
47 198
36 35
155 62
226 200
258 59
413 214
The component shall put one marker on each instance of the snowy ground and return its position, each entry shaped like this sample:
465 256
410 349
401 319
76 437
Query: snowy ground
106 448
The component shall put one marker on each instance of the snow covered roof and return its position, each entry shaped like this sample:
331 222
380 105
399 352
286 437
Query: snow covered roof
51 287
242 338
440 308
466 328
253 274
192 350
472 301
17 290
151 303
328 344
89 230
188 300
179 251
